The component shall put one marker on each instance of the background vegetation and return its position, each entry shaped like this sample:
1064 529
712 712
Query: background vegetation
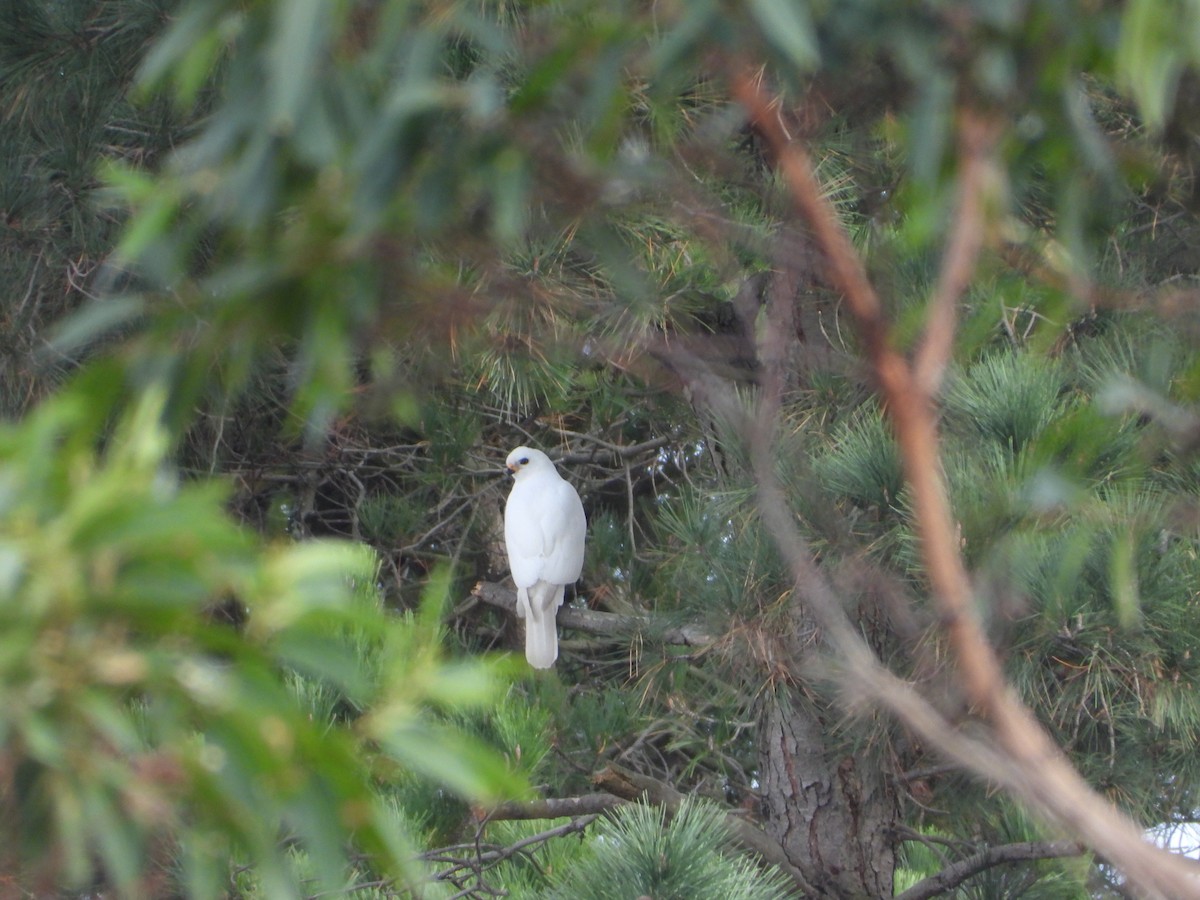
284 280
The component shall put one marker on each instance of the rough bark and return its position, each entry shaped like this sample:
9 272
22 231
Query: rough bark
833 814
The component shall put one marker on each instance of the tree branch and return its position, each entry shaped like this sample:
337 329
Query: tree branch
620 786
607 448
956 873
977 141
1039 773
552 807
909 407
471 860
596 622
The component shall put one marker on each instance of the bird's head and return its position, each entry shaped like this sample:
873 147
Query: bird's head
524 458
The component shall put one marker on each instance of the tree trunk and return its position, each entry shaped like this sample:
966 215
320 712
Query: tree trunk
833 813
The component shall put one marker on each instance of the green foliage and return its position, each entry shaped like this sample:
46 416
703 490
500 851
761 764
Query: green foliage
1130 348
491 222
709 545
1071 515
64 107
862 463
595 722
1007 397
1104 647
527 876
1156 47
639 853
135 724
524 730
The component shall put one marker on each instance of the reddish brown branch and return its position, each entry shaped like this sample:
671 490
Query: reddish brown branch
910 408
1043 777
977 141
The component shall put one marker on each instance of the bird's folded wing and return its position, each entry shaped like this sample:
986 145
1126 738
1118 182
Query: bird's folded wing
563 532
544 531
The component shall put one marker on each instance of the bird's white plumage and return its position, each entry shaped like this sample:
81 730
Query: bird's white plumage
544 532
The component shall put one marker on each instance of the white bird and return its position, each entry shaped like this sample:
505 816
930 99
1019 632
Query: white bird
544 531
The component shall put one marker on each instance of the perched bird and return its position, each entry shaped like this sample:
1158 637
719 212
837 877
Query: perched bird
544 530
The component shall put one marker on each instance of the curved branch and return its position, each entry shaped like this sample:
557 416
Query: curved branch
1043 778
956 873
467 861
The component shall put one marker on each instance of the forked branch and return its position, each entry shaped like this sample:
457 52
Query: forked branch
1037 771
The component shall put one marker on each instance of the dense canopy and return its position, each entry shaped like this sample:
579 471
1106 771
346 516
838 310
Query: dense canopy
864 330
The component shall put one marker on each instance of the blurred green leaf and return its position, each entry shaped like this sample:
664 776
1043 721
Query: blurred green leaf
1148 56
1123 575
466 766
295 55
788 26
114 563
95 321
118 845
685 35
188 52
510 196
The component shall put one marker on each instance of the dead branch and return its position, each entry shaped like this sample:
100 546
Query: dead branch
471 861
1039 773
956 873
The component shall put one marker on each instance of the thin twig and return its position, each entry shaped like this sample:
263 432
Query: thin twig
483 860
977 140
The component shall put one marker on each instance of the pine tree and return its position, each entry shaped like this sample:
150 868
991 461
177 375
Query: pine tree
403 239
65 75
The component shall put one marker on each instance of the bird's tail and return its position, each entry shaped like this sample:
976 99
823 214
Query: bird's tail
541 633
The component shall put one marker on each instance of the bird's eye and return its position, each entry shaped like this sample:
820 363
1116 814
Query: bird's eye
524 460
